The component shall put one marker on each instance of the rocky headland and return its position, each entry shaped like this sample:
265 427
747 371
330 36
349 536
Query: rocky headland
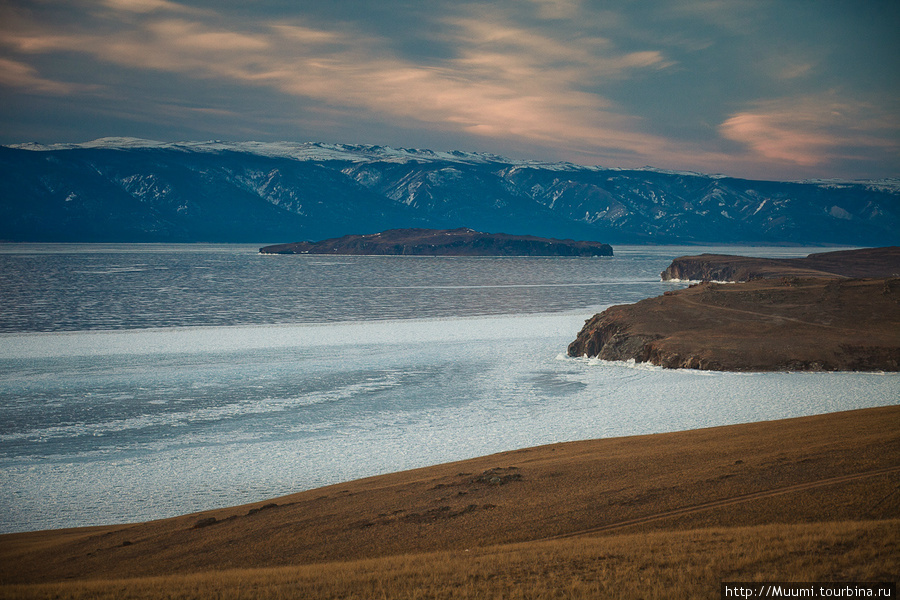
443 242
836 311
866 262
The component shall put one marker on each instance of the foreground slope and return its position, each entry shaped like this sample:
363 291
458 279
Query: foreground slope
637 566
826 469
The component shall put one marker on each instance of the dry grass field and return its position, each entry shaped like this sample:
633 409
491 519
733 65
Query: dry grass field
661 516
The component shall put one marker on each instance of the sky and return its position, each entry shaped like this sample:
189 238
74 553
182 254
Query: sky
764 89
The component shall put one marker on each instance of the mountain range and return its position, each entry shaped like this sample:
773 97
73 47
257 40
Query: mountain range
132 190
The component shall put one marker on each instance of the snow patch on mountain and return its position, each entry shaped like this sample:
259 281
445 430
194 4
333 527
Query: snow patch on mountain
307 151
363 153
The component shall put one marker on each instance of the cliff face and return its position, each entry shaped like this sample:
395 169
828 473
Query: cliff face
867 262
764 325
717 267
610 336
443 242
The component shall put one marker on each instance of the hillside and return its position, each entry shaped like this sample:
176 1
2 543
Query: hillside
137 190
812 497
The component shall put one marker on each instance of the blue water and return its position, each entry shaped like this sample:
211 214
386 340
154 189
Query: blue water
144 381
80 287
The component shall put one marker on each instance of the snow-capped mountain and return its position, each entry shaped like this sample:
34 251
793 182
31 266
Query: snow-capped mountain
306 151
126 189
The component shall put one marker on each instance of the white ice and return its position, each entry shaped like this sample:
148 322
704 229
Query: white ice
402 394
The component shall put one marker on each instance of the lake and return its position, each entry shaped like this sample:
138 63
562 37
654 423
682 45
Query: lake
146 381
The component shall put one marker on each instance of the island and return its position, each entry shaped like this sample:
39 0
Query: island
443 242
836 311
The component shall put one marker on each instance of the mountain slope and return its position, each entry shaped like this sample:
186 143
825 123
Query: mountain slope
167 195
123 189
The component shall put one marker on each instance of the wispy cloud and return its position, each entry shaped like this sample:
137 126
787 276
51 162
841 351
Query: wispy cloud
685 84
813 131
558 9
147 6
505 80
20 75
730 15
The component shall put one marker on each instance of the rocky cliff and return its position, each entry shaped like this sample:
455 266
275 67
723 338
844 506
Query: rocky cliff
867 262
443 242
781 318
764 325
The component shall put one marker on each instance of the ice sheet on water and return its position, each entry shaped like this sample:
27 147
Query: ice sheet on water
692 281
133 425
193 340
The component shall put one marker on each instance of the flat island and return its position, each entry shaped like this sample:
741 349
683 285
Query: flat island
837 311
443 242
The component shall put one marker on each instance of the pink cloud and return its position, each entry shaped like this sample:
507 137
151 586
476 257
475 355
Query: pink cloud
194 37
145 6
507 81
23 76
773 139
812 130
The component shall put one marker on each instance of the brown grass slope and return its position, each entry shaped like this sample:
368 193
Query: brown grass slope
666 564
833 478
761 325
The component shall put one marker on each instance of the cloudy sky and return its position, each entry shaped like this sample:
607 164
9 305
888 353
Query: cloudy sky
780 89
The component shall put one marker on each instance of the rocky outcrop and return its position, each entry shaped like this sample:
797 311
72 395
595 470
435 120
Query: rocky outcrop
443 242
609 336
867 262
721 267
787 324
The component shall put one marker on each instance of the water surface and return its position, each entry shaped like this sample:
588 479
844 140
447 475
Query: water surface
144 381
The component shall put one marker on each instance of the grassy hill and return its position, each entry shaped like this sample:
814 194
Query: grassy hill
659 516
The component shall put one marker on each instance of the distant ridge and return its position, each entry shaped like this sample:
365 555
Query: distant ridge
134 190
443 242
